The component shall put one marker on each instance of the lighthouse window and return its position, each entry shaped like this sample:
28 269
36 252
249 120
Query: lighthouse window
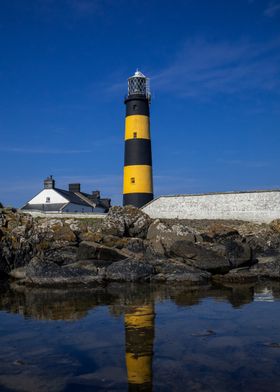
134 107
48 199
135 135
132 180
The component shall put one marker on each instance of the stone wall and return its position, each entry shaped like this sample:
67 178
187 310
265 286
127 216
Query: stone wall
255 206
74 215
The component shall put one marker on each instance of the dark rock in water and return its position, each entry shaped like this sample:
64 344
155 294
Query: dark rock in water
92 250
173 270
62 255
47 273
126 221
129 271
215 258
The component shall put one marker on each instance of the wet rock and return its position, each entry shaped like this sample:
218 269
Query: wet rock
92 250
237 275
173 270
215 258
18 273
126 221
129 271
61 254
47 273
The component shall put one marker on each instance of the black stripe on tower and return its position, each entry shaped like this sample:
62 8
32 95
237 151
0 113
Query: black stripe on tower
137 104
137 199
138 152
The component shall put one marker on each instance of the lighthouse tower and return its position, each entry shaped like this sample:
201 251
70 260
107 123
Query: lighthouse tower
138 177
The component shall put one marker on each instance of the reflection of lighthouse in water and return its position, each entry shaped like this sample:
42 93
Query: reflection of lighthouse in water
139 334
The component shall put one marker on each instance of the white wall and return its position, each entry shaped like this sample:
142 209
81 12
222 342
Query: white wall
259 206
71 207
55 197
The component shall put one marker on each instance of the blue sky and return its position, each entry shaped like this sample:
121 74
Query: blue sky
215 81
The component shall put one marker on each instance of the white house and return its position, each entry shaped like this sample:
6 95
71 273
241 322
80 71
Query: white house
52 199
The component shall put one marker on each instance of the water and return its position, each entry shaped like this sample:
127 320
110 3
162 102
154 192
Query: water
140 338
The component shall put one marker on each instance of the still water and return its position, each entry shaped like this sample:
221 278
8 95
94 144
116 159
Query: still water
140 338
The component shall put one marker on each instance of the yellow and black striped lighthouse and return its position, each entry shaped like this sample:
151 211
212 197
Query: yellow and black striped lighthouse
138 176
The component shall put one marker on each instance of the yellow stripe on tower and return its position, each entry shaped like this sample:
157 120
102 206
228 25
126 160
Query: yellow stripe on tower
137 126
137 179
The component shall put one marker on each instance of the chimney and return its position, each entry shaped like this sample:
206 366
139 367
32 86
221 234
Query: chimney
74 187
95 195
49 183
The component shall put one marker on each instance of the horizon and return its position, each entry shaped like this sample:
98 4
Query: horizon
215 111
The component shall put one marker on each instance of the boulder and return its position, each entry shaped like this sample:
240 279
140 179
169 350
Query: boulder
211 259
275 225
91 250
126 221
173 270
129 271
47 273
161 236
215 258
218 232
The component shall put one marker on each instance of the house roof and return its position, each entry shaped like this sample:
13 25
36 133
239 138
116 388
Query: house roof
72 197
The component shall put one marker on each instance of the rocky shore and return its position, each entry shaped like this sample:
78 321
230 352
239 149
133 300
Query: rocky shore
129 246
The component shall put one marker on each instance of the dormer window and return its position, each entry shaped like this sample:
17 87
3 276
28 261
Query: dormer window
48 199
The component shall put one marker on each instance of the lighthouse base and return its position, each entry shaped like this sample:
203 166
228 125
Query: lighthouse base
137 199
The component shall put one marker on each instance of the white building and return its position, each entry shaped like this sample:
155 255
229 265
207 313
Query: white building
55 200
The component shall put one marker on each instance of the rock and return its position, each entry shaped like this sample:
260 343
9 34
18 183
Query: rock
239 253
135 245
211 259
126 221
237 275
215 258
162 236
219 232
275 225
129 271
18 273
47 273
61 255
173 270
57 230
92 250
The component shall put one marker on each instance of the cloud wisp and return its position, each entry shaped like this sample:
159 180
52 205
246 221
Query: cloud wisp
272 9
35 150
205 68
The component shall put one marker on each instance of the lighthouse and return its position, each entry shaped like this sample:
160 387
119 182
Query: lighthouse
138 176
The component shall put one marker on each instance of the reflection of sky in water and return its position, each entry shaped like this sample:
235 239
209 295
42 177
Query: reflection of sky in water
215 339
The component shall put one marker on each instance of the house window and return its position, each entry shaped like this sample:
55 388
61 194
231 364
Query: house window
135 135
132 180
48 199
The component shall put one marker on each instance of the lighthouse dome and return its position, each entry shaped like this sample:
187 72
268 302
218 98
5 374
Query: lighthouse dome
139 84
